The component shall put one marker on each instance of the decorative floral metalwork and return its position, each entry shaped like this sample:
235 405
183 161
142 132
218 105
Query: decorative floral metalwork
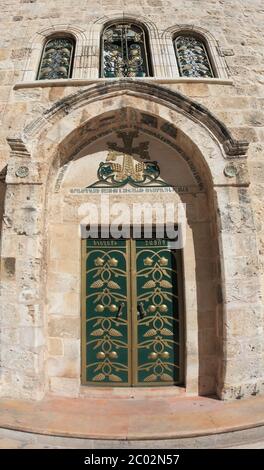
56 59
192 57
158 329
122 344
124 51
115 174
107 324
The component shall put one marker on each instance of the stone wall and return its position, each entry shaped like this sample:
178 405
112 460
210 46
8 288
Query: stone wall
233 30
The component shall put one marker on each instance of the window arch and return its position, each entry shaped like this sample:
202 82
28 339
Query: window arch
192 56
57 58
124 51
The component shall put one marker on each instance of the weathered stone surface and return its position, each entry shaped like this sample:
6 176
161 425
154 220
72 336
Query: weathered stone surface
65 386
55 347
48 138
67 327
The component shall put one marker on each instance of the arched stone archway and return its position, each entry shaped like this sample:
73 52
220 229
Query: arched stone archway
65 214
203 145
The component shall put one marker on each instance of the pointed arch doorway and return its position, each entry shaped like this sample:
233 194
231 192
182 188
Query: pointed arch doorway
100 168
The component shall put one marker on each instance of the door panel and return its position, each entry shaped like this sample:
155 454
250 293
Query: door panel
130 312
157 332
107 330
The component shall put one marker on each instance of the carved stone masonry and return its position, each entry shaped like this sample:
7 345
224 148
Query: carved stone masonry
18 148
141 150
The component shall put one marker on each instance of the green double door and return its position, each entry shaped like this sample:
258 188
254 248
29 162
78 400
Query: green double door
131 313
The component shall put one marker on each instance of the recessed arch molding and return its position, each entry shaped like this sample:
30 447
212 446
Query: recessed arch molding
172 99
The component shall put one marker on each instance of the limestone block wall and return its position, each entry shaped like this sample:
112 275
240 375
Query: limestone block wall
234 31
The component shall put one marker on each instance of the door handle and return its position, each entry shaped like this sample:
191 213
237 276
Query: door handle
119 311
141 311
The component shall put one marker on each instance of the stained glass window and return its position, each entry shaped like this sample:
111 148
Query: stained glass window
57 58
124 51
192 57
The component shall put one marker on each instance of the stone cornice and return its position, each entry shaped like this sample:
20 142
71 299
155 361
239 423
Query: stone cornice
18 147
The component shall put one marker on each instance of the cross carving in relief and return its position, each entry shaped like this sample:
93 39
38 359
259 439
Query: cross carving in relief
142 149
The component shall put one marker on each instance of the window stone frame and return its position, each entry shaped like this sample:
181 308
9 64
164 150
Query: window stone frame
148 55
212 46
72 58
36 47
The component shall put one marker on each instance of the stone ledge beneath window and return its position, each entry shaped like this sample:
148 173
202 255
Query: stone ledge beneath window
84 82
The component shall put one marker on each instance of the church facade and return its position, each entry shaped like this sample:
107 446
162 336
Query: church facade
120 120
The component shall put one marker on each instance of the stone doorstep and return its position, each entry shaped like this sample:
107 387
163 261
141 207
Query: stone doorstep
248 439
131 392
128 419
